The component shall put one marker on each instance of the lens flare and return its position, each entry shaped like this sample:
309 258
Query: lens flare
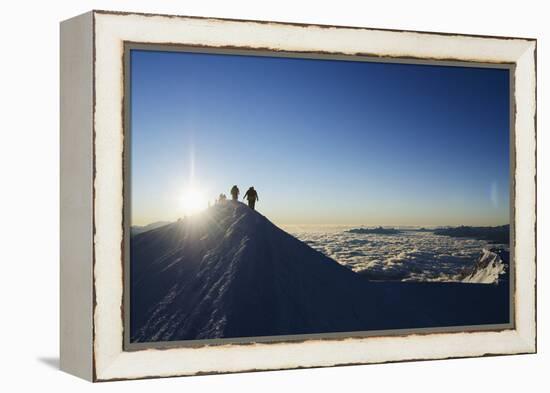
193 201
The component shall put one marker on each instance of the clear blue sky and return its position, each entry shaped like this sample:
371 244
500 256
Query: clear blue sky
323 142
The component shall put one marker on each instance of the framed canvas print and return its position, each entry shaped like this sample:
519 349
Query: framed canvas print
245 195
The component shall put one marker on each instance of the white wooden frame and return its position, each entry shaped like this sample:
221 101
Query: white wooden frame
92 143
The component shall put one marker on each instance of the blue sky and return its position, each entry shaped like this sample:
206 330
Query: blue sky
323 142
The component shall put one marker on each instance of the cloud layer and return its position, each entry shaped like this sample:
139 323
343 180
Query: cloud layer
408 256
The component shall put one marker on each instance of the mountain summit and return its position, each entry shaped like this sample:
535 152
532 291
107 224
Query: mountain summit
230 272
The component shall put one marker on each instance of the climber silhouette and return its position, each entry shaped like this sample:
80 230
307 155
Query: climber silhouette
252 197
235 193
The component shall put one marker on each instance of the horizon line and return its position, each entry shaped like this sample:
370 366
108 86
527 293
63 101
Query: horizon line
340 224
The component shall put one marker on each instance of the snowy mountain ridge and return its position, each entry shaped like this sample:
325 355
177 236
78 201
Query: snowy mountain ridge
229 270
489 268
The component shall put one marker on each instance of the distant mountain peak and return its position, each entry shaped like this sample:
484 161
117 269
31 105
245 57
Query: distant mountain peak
137 229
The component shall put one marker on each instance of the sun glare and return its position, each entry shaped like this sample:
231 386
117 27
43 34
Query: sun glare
193 201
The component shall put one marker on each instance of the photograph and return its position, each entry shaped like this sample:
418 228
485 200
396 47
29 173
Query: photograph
276 197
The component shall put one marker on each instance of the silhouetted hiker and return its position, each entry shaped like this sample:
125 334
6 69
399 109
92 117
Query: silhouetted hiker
252 197
235 192
222 198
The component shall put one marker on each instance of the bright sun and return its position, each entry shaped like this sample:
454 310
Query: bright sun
193 201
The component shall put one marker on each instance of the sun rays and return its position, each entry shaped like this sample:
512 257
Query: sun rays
193 200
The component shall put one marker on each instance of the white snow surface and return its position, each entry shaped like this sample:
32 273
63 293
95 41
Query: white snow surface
488 269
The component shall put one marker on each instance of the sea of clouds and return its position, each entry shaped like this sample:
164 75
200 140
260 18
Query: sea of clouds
407 256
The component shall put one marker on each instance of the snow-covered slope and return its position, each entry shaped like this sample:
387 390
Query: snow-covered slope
230 272
489 269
